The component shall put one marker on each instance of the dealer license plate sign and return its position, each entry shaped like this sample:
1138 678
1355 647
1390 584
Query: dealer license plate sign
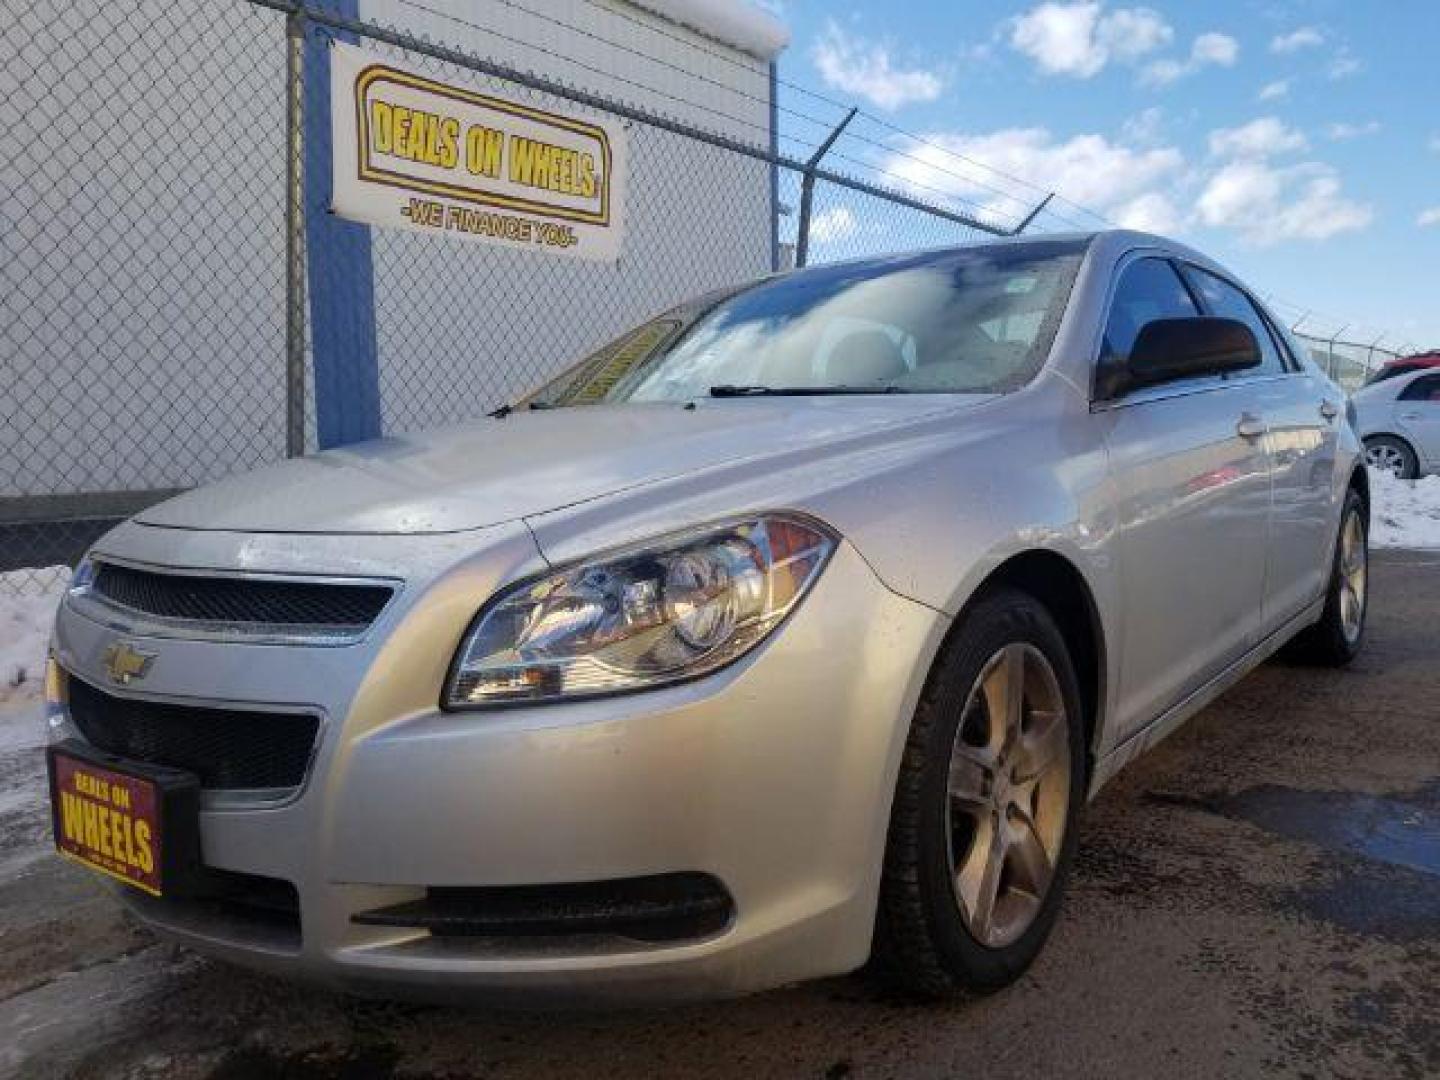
109 821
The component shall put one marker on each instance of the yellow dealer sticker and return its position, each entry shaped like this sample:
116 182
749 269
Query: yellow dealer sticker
109 821
411 152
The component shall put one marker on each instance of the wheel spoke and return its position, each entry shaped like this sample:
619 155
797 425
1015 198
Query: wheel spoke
1350 562
1031 865
979 879
1004 687
970 770
1043 742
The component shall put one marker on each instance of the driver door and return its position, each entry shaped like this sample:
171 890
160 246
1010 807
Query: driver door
1192 475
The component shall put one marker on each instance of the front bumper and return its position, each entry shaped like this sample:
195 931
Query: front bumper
774 776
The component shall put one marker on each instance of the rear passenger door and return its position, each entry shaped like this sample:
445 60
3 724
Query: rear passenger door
1192 479
1417 416
1302 416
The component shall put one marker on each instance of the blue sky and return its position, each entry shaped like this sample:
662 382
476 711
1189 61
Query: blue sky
1298 141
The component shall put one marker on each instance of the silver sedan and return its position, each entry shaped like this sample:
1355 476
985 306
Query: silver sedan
792 629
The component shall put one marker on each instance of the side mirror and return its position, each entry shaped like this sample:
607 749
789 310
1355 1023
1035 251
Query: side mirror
1170 349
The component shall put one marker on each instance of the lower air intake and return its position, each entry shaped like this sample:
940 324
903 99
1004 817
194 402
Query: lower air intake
659 908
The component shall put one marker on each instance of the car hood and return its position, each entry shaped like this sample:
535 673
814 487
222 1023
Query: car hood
489 471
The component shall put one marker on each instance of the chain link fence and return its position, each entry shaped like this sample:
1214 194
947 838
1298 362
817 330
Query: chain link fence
144 293
161 289
170 259
1349 363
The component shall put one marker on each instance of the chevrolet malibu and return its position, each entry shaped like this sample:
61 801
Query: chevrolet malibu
790 632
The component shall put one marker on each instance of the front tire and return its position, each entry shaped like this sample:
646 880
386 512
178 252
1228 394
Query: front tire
984 822
1336 639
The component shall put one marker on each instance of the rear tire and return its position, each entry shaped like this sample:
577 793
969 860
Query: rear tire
1336 639
987 805
1392 454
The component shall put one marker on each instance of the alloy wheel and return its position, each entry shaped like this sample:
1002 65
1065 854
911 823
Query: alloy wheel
1008 793
1354 576
1385 456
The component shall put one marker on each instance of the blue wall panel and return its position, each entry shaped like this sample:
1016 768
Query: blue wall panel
341 279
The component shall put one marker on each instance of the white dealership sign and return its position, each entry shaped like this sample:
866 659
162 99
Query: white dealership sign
413 153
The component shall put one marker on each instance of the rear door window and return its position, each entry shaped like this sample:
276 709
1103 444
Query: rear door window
1426 389
1225 301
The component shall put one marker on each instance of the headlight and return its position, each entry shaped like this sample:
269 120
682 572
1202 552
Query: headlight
658 613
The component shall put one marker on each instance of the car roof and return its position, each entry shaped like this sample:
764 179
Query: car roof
1392 387
1106 244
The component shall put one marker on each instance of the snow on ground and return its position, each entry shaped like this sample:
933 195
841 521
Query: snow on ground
25 630
1404 513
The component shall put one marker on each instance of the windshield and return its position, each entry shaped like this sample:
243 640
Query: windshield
976 320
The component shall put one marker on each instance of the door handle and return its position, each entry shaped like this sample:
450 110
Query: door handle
1329 410
1409 416
1249 426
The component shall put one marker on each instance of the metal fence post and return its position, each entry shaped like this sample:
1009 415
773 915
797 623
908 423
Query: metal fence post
294 235
1334 358
1032 215
807 190
1370 354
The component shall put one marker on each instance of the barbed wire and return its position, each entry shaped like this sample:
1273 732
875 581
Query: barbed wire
831 122
824 125
656 91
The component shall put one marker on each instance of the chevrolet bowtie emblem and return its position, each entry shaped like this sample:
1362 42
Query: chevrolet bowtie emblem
125 662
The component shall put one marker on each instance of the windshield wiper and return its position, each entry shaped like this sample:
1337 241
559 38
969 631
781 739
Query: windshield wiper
725 390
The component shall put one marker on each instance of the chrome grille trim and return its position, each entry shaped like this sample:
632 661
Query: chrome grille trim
95 605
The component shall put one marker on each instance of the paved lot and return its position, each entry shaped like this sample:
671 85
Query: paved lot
1259 896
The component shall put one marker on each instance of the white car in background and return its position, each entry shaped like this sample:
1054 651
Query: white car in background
1399 420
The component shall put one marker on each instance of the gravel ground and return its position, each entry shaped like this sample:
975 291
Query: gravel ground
1259 896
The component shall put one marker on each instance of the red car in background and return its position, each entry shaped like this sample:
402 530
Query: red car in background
1402 365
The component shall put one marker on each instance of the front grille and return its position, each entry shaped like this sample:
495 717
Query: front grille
242 601
658 908
228 749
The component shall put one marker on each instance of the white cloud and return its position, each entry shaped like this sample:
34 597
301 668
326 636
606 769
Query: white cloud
1153 212
1207 50
1163 73
1060 38
865 69
1092 170
1221 49
1274 91
1344 65
1079 39
1132 32
1306 37
1144 127
1260 138
832 225
1245 186
1429 217
1266 204
1342 132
